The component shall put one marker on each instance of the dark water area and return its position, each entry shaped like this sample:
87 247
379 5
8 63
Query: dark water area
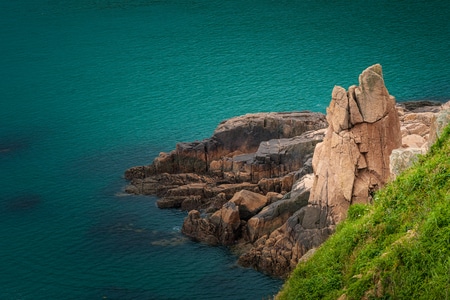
22 203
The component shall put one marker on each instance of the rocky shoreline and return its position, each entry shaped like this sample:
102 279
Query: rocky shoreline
273 186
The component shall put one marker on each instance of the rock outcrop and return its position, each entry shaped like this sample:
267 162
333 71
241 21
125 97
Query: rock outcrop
224 181
239 135
349 165
274 185
271 149
225 225
421 124
276 214
439 122
353 160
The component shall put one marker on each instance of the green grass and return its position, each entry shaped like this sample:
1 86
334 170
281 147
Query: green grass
397 248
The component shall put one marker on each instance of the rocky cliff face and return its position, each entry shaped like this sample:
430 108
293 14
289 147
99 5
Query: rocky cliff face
353 160
252 186
349 165
233 137
262 152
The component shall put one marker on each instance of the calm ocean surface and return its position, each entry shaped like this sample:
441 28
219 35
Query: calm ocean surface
89 88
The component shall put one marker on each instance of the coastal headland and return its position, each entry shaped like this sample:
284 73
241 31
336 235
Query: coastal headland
273 186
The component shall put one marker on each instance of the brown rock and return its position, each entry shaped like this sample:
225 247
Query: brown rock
350 163
420 130
199 229
274 159
372 97
278 253
413 140
199 195
273 197
275 214
237 135
223 227
249 203
439 122
355 153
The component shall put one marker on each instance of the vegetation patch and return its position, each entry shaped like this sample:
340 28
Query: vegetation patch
397 248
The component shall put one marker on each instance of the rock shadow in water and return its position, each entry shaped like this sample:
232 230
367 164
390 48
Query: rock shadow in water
10 145
22 203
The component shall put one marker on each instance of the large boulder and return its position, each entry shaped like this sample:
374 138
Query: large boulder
403 158
199 229
227 222
249 203
223 227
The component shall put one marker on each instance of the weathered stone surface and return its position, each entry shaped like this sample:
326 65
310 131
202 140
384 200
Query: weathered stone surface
402 159
439 122
421 106
372 98
413 140
355 154
161 183
350 163
201 195
278 253
277 184
227 175
273 197
416 118
274 158
199 229
192 175
227 222
245 133
237 135
223 227
275 214
249 203
420 129
273 168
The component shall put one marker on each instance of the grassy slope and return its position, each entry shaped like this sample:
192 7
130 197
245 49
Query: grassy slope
397 248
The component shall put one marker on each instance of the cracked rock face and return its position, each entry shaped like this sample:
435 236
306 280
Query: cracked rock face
353 160
350 163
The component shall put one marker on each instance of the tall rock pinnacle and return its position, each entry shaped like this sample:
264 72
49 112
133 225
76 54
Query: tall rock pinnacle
353 160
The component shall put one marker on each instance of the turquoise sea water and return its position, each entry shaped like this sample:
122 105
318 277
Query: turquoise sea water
89 88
